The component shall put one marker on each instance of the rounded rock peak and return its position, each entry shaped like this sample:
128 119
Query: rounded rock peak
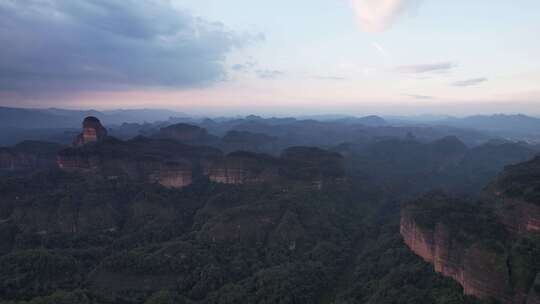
91 121
92 131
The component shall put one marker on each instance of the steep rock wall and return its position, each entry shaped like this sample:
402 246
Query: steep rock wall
481 271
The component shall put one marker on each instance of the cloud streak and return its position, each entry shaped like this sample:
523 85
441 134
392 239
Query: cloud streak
269 74
420 97
65 45
441 67
333 78
469 82
379 15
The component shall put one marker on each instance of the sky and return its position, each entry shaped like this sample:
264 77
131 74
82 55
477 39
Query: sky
393 57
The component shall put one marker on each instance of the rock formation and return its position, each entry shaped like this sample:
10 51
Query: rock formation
166 162
93 131
174 174
243 168
171 163
481 271
468 243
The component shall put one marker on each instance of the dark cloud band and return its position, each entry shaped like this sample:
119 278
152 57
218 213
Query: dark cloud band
109 44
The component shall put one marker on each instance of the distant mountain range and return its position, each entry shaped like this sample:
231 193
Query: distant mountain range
501 124
61 118
58 125
518 123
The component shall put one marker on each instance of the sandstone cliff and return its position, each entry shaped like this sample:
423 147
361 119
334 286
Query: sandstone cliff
302 166
93 131
466 242
171 163
173 174
168 163
242 168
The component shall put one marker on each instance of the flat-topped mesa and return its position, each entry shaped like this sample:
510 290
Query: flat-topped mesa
301 166
169 163
93 131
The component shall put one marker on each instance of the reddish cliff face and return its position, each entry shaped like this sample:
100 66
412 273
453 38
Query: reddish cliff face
481 271
167 173
299 166
175 164
93 131
174 175
73 160
242 168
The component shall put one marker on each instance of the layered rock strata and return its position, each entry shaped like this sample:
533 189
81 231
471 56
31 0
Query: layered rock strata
491 255
481 271
93 131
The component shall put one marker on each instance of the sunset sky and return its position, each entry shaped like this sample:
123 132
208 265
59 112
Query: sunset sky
273 57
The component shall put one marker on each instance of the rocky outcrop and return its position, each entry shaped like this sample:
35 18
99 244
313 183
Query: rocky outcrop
468 243
93 131
243 168
172 163
173 175
302 166
168 163
481 271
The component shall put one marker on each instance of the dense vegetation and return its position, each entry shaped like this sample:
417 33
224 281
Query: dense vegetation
73 239
326 231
